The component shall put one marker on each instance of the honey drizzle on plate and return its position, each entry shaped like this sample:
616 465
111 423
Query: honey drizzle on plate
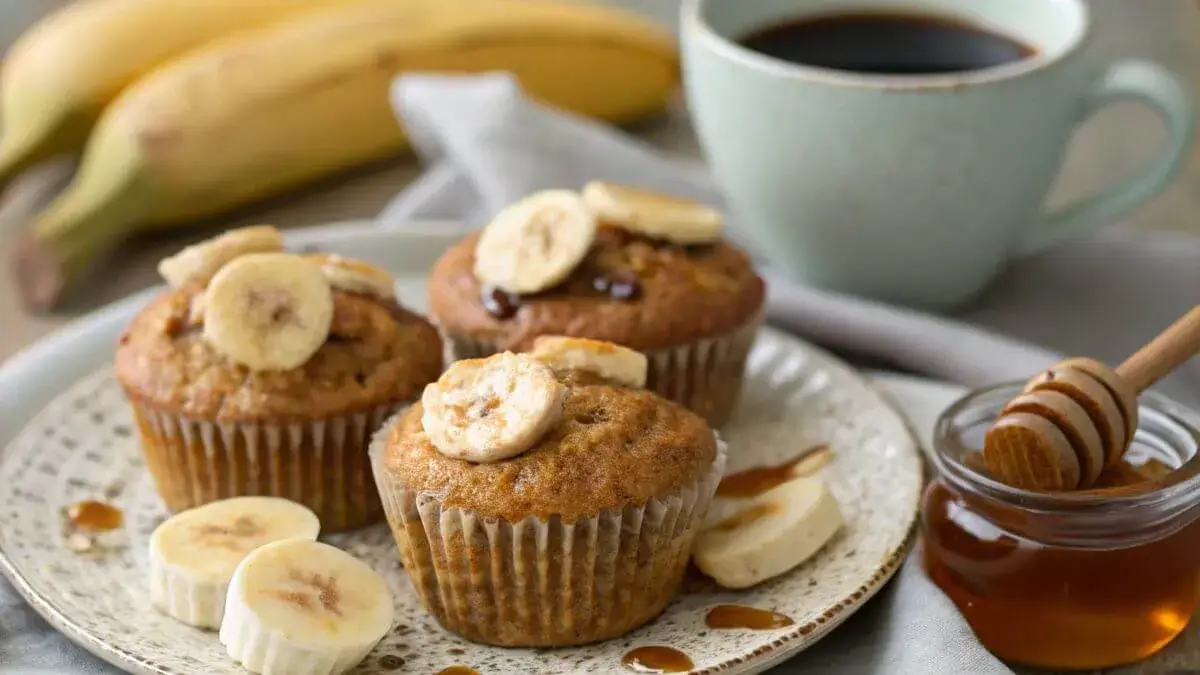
740 616
755 481
94 516
458 670
657 659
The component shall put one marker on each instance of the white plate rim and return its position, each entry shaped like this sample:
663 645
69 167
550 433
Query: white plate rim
28 362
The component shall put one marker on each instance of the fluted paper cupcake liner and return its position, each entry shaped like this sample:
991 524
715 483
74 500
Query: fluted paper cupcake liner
322 464
706 375
544 582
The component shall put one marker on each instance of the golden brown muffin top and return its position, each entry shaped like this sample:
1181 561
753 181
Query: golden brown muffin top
377 353
614 447
685 294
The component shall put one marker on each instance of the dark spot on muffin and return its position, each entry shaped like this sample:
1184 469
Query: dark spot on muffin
361 378
500 303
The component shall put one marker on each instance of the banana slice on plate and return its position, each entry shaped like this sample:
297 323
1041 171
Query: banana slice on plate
199 262
535 243
486 410
769 534
301 607
355 276
193 554
656 215
610 361
268 311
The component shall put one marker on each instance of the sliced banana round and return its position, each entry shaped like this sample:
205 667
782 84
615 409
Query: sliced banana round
653 214
610 361
355 276
268 311
305 607
193 554
769 534
486 410
535 243
199 262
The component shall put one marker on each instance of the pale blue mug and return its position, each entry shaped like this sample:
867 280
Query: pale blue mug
914 189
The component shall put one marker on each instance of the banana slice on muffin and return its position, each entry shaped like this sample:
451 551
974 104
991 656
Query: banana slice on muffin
486 410
355 276
268 311
193 554
653 214
610 361
199 262
535 243
769 534
300 607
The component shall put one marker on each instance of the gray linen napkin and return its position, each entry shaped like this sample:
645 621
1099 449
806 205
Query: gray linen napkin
486 145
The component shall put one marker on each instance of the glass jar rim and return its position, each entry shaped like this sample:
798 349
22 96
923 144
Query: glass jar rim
1178 489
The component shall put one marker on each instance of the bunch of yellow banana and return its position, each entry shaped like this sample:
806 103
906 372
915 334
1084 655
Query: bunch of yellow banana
258 111
58 76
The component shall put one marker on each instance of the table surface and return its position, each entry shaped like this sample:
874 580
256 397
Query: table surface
1110 146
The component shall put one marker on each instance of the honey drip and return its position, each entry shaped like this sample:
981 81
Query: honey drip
657 659
758 480
458 670
740 616
95 516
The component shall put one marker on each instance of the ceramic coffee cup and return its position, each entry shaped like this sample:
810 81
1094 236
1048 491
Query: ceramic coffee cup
912 188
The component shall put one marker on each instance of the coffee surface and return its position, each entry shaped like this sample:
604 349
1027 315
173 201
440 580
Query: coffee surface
892 44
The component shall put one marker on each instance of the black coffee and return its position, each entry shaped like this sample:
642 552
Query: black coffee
894 44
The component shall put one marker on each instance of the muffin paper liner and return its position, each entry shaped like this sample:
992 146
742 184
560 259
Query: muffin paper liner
706 376
322 464
544 582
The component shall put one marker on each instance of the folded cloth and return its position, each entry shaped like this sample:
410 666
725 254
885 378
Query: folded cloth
485 145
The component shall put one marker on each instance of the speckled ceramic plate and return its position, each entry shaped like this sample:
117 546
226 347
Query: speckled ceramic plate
67 437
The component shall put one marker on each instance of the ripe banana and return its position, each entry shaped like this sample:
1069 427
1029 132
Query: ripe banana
61 73
267 110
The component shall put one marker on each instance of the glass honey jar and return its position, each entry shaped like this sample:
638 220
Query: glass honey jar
1069 580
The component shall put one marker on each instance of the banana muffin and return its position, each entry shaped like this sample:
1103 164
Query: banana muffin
261 372
546 498
643 270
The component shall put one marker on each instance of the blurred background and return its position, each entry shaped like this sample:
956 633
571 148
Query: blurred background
1119 139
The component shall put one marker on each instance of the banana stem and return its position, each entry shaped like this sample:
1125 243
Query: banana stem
71 234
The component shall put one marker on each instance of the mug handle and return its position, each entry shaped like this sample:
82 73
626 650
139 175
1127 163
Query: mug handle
1158 88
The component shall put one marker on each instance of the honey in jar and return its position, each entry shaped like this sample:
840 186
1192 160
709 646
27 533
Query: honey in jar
1071 580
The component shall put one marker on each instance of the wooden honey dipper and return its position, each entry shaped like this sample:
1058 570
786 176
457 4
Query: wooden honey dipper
1077 418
